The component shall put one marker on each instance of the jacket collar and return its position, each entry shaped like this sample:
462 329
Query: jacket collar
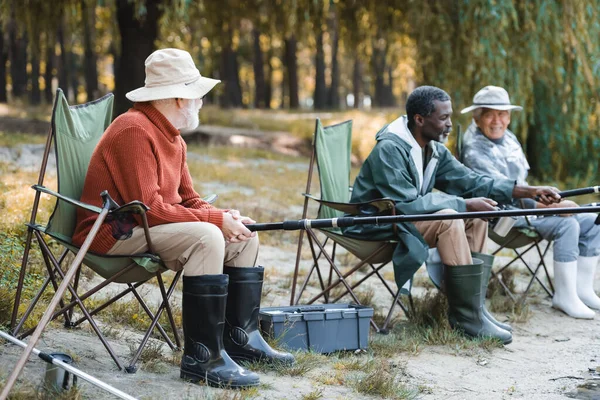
385 134
158 119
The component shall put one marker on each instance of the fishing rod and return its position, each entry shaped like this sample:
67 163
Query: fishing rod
341 222
576 192
53 360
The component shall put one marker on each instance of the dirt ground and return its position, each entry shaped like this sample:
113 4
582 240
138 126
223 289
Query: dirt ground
552 357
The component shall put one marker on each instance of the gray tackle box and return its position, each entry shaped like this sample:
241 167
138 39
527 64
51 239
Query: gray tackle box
321 328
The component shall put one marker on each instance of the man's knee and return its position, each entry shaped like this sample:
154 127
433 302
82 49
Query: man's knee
452 225
568 227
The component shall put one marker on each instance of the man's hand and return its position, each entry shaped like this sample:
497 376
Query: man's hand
244 220
480 204
234 229
546 194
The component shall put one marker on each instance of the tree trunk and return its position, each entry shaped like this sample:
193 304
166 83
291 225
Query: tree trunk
232 95
357 83
333 96
63 64
48 75
259 73
74 75
320 95
88 8
291 66
137 43
36 95
3 59
269 80
378 70
390 99
18 59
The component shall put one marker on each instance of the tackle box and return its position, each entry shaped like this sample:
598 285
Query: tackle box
320 328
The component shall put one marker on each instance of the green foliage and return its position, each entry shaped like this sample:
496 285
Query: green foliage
544 52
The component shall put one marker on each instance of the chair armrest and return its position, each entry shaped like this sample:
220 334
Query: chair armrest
69 200
134 207
372 207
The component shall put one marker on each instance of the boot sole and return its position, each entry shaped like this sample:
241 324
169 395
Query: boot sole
504 342
195 378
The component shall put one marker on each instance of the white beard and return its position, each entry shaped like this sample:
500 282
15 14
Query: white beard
189 117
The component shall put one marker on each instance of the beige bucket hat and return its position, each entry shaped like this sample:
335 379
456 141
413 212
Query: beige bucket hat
493 97
171 73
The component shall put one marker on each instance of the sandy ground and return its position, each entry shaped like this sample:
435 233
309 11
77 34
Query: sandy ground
551 356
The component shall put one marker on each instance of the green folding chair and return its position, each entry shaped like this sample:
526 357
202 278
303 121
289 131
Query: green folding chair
74 132
331 150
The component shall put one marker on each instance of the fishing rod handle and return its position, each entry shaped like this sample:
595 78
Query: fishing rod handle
576 192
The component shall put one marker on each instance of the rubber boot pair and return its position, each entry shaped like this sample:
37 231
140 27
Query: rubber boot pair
465 285
573 283
220 326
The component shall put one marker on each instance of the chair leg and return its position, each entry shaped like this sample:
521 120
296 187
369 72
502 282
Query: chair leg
165 305
15 312
68 322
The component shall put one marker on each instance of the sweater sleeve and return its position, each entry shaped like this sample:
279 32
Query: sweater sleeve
132 162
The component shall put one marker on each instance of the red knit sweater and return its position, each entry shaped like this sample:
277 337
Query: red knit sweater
141 156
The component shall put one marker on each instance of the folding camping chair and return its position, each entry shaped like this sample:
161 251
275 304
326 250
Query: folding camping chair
520 241
331 149
75 131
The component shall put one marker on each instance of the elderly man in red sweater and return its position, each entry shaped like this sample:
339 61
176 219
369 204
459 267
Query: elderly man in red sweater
142 156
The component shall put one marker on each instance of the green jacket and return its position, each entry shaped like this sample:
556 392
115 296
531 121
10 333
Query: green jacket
389 171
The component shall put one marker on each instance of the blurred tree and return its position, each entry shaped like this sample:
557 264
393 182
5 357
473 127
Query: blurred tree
3 59
49 65
353 15
138 28
546 53
317 9
333 95
285 17
17 42
88 11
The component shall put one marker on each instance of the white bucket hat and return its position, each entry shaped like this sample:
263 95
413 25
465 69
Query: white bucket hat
493 97
171 73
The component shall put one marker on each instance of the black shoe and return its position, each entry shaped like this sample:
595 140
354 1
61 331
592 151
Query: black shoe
242 338
204 358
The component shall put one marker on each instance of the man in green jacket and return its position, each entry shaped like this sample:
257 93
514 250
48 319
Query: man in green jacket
407 163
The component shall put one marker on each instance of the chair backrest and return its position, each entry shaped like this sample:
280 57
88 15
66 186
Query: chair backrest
333 148
76 131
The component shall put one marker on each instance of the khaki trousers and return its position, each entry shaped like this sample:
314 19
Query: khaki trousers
198 248
455 239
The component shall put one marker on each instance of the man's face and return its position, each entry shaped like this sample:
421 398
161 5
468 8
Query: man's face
437 125
493 123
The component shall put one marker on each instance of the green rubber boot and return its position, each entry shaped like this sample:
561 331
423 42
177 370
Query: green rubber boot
488 262
465 299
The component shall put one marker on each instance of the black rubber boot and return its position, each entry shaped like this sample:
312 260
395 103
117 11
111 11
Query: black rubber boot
242 338
204 357
463 289
488 262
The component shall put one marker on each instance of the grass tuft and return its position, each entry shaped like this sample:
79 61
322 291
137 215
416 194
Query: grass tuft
383 382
